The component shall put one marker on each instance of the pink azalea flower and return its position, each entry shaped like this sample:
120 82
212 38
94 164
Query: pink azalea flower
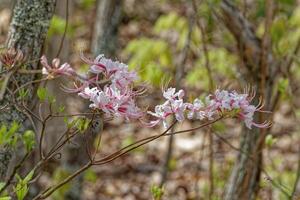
170 94
56 69
123 78
88 93
173 106
194 110
220 103
161 113
224 101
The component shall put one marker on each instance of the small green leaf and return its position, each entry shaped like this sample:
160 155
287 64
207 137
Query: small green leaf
90 176
23 93
51 99
13 141
21 189
3 130
18 177
29 176
61 108
13 129
283 85
157 192
29 140
270 140
1 185
82 124
87 4
42 93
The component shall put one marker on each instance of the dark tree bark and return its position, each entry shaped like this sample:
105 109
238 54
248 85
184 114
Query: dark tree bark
28 29
245 176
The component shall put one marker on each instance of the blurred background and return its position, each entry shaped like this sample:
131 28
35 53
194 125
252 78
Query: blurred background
198 46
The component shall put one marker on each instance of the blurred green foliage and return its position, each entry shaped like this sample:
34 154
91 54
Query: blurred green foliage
87 4
90 175
4 194
59 175
221 63
151 58
155 57
270 140
57 27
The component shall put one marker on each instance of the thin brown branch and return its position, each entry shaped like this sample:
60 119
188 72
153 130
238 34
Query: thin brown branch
16 168
65 30
204 46
178 78
46 193
297 180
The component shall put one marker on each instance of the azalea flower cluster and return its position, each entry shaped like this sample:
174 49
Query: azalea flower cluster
114 96
55 69
108 85
221 103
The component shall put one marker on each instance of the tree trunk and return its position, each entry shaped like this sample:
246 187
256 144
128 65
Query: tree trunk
104 42
5 3
27 33
106 27
244 180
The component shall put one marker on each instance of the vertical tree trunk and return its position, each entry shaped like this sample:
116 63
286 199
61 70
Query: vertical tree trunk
108 18
245 176
108 15
5 3
28 29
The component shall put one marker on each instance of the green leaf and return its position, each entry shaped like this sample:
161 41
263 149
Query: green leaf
270 140
23 93
29 176
42 93
5 198
3 130
283 85
87 4
90 176
29 140
82 124
18 177
13 141
157 192
51 99
21 189
13 129
2 185
278 29
61 108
